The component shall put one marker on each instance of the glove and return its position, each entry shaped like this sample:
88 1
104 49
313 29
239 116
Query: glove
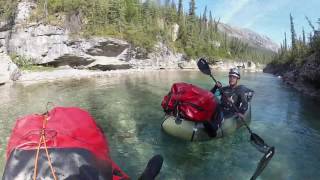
218 84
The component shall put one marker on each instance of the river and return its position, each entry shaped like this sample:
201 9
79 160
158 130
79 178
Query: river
128 109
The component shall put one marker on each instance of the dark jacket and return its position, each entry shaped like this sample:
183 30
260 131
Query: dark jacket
240 96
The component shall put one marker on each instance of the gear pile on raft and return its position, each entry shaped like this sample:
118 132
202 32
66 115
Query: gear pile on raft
64 143
190 109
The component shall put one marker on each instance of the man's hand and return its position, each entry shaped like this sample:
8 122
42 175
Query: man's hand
218 84
240 115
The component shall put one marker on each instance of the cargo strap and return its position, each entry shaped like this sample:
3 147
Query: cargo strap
42 140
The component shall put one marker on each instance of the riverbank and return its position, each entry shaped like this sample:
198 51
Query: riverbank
69 74
56 74
305 77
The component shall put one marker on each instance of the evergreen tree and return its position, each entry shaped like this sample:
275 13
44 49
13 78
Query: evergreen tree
211 27
216 23
143 23
132 11
303 37
167 4
310 24
191 23
192 8
180 11
285 41
293 35
173 11
204 18
225 41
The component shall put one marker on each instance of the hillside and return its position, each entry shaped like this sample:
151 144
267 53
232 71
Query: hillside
111 34
252 38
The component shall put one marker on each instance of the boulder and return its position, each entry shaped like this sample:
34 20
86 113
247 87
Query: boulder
8 70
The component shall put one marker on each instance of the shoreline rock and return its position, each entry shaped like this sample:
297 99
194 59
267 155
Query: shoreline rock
69 73
304 78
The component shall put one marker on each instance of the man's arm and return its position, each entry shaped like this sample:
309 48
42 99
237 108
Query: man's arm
218 85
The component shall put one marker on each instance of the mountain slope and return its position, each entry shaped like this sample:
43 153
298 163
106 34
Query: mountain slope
252 38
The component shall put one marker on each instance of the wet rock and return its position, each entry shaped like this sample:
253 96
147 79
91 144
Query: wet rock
107 47
70 60
110 67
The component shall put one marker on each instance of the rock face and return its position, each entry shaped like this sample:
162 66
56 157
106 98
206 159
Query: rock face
162 58
226 65
43 43
9 71
52 45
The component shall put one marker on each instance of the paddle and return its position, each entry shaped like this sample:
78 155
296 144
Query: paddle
255 140
153 168
263 163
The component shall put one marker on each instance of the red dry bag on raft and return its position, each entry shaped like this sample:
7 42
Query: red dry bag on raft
65 143
190 102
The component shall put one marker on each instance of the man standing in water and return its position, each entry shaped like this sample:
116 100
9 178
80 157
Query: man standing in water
232 95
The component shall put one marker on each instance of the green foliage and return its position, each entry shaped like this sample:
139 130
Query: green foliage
300 48
293 34
21 61
27 64
7 9
34 68
55 6
142 38
143 23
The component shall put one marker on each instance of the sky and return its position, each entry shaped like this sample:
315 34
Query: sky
266 17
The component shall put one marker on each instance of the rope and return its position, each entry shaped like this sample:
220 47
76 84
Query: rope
43 141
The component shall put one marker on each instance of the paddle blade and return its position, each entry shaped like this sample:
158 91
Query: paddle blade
263 163
259 143
204 66
153 168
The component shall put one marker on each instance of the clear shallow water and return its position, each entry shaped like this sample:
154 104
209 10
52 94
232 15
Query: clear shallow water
128 108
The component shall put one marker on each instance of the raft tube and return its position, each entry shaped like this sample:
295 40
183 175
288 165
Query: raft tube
195 131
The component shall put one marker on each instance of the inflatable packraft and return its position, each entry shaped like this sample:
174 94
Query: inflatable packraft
64 143
188 108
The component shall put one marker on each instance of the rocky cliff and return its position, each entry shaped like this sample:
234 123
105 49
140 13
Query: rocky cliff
56 46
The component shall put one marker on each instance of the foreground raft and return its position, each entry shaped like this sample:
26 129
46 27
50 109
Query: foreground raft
64 143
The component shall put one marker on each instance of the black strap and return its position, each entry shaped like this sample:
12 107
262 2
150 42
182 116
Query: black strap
194 105
169 95
194 131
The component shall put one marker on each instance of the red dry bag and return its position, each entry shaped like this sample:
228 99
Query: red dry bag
191 102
